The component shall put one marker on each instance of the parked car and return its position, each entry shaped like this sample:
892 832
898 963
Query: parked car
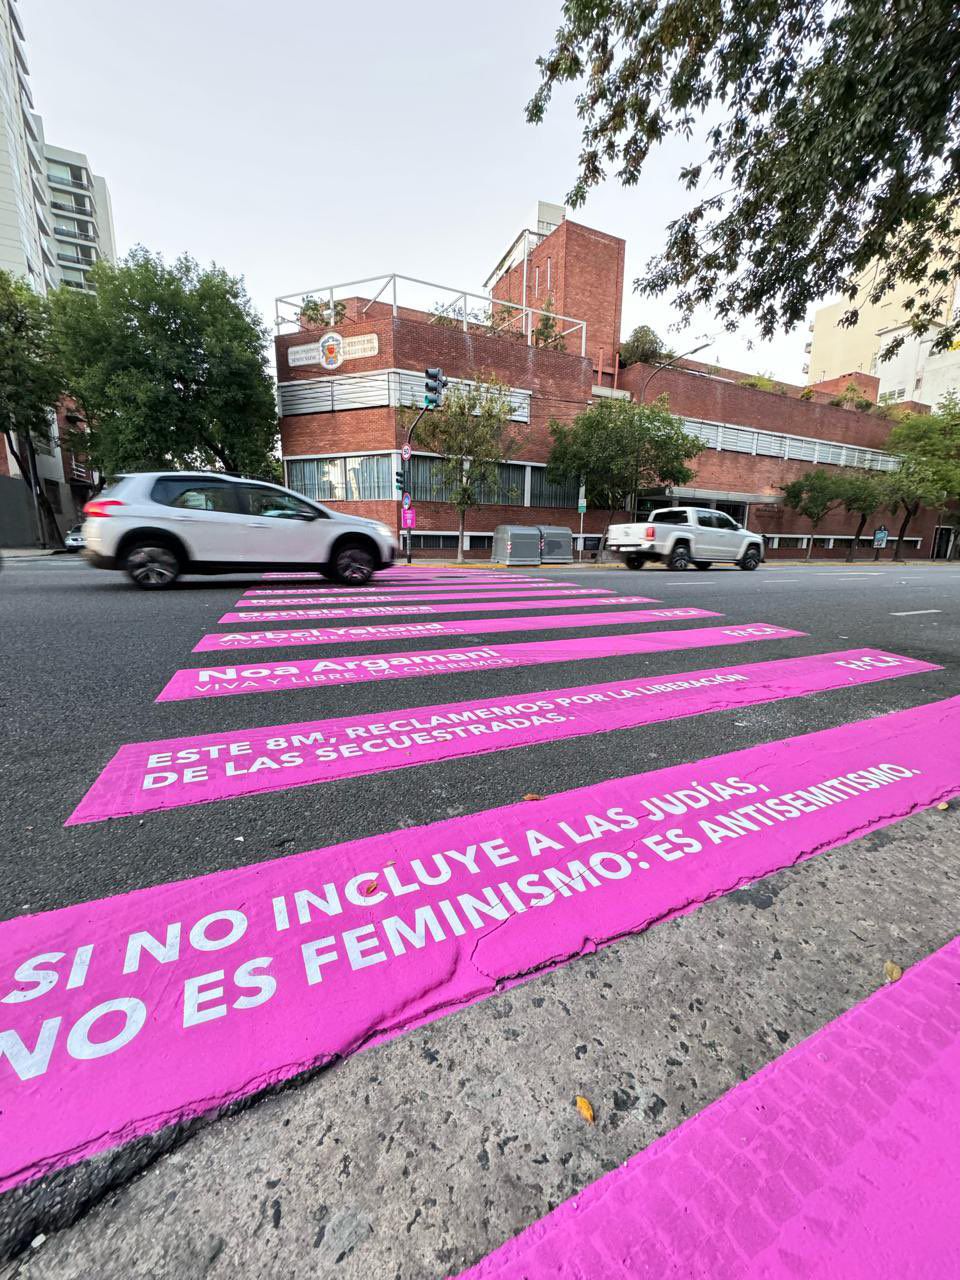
684 536
156 526
74 539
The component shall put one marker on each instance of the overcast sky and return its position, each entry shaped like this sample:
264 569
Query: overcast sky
290 142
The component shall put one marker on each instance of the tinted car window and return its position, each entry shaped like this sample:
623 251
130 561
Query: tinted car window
674 516
707 519
724 521
195 495
277 505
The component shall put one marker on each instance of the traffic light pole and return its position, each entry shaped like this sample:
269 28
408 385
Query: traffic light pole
406 485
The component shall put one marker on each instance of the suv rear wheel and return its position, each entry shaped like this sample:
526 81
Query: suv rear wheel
750 558
151 566
353 563
679 557
634 561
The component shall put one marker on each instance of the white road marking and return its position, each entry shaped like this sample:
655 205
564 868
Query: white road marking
910 613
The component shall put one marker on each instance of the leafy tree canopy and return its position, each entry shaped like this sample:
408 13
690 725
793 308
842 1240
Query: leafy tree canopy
618 448
830 144
31 381
169 364
644 345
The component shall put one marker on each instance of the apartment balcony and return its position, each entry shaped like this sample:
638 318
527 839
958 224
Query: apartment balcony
84 287
74 209
70 233
71 261
69 184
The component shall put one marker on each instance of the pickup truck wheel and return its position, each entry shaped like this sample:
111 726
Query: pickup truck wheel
702 564
635 561
151 567
750 559
679 557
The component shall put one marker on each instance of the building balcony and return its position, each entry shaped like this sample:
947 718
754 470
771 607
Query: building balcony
71 184
76 210
73 261
71 233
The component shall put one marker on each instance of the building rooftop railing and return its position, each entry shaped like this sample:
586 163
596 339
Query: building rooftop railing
409 293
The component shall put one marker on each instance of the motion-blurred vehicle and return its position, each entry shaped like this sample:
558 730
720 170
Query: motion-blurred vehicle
685 536
74 540
155 526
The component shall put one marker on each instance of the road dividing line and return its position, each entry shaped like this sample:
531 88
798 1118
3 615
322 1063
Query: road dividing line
435 630
389 597
865 1114
121 1016
146 776
912 613
567 601
312 673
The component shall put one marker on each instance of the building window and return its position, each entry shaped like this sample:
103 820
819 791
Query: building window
545 494
52 490
507 490
481 541
433 541
536 282
428 480
354 478
548 275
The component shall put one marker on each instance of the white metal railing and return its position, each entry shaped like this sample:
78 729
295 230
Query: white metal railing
457 309
773 444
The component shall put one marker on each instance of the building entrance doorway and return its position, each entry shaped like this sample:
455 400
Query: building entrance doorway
943 537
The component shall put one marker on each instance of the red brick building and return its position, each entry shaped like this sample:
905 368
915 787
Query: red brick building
343 387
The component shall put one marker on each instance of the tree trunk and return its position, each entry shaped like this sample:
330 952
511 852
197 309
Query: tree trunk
809 554
909 513
460 528
854 545
31 478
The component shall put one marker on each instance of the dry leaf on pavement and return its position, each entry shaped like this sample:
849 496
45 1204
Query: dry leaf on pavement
532 795
892 972
585 1109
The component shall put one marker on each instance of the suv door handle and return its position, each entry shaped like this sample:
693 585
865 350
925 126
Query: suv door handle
257 524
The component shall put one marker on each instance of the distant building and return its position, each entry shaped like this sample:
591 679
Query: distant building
343 390
834 349
55 223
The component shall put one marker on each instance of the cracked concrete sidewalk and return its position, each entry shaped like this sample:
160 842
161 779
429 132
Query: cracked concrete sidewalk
416 1158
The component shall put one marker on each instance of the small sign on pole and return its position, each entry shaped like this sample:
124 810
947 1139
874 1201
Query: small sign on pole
880 537
407 501
406 453
408 517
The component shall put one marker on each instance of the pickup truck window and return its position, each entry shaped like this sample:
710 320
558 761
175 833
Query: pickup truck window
707 520
724 522
676 516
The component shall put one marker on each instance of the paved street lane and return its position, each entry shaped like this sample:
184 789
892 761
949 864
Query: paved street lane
444 1138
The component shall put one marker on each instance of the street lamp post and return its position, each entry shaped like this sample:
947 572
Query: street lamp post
643 391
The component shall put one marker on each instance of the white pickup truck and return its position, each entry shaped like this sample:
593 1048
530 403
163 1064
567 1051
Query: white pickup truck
684 536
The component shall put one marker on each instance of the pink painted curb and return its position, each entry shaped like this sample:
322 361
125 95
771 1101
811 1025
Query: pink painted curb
120 1016
229 641
262 676
840 1161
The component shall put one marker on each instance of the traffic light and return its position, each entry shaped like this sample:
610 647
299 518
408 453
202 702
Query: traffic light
398 477
433 388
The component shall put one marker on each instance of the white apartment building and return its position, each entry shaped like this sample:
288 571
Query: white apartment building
55 222
913 372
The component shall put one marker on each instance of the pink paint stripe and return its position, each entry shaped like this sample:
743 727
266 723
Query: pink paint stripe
398 597
567 601
520 584
337 930
312 673
228 641
145 776
839 1159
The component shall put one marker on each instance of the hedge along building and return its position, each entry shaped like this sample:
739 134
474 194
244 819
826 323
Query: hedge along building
346 390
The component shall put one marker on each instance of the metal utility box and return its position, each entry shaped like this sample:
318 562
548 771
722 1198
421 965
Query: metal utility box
556 544
516 544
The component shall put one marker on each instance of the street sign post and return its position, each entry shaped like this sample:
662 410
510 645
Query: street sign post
407 501
408 518
879 540
406 453
581 507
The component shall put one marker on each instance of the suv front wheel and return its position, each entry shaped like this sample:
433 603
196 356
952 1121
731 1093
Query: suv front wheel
353 564
750 559
150 566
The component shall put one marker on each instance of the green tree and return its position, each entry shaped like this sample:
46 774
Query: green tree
31 383
547 333
471 433
814 496
916 483
644 346
617 449
862 495
825 136
169 365
318 311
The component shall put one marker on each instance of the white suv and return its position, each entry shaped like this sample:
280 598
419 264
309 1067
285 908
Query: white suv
157 525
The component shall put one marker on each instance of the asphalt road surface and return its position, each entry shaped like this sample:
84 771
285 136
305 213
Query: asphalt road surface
418 1156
